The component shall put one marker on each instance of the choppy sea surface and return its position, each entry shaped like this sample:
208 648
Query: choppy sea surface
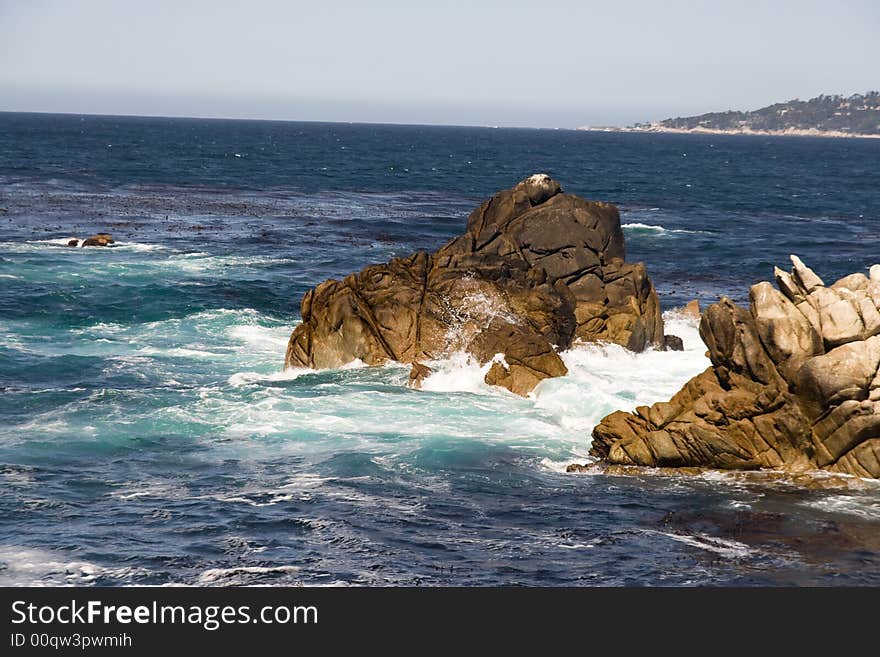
148 434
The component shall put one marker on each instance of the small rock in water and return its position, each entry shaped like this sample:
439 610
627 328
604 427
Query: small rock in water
99 239
73 242
417 374
673 343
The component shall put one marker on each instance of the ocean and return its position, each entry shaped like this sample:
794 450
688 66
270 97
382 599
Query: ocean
148 434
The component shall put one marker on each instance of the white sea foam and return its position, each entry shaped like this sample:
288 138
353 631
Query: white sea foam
863 507
206 264
561 411
100 327
178 352
458 373
139 247
26 566
605 377
59 241
249 378
724 547
17 477
261 338
157 490
686 327
654 228
227 576
577 454
243 499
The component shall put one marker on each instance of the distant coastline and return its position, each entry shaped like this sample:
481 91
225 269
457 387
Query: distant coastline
855 116
788 132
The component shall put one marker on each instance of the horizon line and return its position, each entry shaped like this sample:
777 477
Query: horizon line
268 120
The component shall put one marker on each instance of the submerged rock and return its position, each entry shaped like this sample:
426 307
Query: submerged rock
535 271
99 239
793 385
418 374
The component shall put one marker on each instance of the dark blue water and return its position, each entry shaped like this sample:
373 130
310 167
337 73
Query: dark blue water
149 436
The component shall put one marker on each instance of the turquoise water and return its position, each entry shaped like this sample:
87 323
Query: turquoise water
149 435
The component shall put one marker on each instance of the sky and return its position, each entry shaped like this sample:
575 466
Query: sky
547 63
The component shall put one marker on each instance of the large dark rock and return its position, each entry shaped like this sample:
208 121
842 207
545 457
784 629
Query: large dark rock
793 385
535 270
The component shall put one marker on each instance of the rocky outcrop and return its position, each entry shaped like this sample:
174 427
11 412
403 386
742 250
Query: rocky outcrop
793 385
535 271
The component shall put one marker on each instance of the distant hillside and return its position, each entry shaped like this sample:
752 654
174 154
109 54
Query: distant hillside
838 116
858 114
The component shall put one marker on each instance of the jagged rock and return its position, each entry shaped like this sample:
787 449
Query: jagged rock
839 319
526 358
99 239
418 374
535 271
793 385
804 277
787 335
73 242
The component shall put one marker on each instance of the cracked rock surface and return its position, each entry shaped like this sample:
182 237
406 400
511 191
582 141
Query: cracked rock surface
793 385
535 271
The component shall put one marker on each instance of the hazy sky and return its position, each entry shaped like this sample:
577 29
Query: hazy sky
542 63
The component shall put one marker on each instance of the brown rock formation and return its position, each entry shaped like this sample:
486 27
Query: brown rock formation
793 385
535 270
99 239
